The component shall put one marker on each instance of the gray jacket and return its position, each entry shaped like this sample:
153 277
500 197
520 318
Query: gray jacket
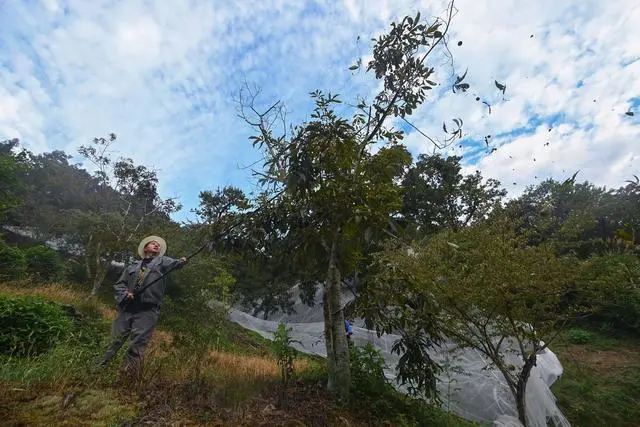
154 294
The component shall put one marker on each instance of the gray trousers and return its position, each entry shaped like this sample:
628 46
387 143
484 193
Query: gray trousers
139 323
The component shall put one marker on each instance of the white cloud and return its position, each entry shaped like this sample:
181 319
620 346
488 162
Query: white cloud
162 76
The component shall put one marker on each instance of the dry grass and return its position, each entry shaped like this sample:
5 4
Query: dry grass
56 292
227 368
250 367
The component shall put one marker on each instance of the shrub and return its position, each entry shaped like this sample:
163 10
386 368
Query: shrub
30 325
42 262
13 264
619 310
578 336
373 393
368 383
285 355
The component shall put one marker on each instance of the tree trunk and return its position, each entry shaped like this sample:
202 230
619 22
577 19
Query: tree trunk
328 335
100 274
335 336
521 389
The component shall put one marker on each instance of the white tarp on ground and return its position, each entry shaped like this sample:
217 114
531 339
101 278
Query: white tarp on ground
466 386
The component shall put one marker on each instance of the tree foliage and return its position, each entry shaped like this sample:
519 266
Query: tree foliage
580 218
437 196
109 232
486 288
12 166
335 196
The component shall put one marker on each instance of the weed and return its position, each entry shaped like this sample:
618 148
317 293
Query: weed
30 325
579 336
286 355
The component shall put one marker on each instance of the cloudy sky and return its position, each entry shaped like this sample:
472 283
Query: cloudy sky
163 75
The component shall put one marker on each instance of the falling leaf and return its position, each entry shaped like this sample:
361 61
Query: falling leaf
460 43
572 180
549 129
531 36
494 149
630 113
353 67
461 78
546 143
500 86
477 98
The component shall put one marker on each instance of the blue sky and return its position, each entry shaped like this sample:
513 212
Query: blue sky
163 75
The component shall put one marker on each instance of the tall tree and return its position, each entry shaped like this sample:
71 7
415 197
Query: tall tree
438 196
109 232
53 185
579 217
13 165
335 195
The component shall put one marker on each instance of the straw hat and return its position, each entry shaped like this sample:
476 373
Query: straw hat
160 240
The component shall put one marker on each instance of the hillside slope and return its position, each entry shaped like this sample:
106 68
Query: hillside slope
232 380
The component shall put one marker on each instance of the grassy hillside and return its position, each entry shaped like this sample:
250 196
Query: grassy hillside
232 380
238 378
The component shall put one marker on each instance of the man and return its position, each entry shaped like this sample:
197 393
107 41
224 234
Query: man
348 330
138 311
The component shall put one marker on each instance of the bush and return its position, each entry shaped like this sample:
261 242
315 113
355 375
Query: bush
72 356
30 325
367 372
374 394
619 310
42 262
370 387
13 264
578 336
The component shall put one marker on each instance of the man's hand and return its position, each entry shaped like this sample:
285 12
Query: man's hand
128 295
184 260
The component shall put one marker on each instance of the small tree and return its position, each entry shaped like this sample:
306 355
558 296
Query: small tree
13 264
111 231
43 263
286 356
484 288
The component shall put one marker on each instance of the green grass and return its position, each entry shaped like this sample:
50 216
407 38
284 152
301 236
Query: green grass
601 381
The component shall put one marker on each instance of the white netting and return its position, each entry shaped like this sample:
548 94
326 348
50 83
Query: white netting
466 386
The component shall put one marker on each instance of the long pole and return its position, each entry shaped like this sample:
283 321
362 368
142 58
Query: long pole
201 248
